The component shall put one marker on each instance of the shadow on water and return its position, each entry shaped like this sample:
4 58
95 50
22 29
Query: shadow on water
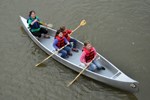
41 65
35 50
23 31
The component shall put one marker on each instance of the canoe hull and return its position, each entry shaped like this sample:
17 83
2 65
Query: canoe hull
118 78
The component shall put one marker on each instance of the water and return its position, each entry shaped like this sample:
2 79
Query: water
119 29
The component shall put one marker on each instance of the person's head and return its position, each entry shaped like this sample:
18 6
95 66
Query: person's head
62 28
32 14
87 45
59 33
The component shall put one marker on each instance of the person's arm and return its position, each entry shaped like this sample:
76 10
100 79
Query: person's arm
66 41
69 31
82 58
29 22
40 22
38 18
54 44
95 53
34 21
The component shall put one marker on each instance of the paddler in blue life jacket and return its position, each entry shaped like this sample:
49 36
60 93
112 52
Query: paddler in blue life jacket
34 25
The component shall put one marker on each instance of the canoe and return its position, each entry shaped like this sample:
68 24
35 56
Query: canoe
111 75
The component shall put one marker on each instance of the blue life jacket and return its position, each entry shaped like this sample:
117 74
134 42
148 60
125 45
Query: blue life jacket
36 25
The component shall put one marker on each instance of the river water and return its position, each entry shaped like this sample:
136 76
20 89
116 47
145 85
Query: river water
119 30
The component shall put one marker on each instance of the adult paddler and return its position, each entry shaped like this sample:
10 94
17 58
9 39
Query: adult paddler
34 25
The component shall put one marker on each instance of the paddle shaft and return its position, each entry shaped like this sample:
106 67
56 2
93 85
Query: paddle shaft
51 55
76 28
44 24
79 74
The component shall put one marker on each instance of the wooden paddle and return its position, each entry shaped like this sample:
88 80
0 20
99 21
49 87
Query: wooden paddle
51 55
82 23
79 74
47 25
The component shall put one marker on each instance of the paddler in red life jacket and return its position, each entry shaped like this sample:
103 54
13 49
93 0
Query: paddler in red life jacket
34 25
66 33
59 42
88 54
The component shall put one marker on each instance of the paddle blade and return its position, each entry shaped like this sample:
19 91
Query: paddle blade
37 64
50 25
69 84
83 22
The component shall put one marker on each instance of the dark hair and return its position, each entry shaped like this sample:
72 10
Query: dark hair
58 31
62 28
86 43
32 11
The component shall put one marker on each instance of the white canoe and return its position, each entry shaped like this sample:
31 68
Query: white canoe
111 75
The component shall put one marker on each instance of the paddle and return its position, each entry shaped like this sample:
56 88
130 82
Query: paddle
80 73
51 55
82 23
47 25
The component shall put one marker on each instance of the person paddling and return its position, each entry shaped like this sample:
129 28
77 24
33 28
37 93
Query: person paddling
59 42
88 54
66 33
34 25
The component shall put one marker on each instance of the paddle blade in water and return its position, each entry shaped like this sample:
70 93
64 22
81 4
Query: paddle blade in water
37 64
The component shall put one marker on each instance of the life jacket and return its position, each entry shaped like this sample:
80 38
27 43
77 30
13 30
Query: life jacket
36 25
89 54
61 41
66 33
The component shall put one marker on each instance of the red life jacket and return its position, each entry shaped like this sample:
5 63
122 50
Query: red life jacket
61 41
66 33
89 54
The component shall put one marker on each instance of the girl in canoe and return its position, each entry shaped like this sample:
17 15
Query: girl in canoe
34 25
66 33
59 42
88 54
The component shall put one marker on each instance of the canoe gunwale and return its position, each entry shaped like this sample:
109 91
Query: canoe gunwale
99 77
